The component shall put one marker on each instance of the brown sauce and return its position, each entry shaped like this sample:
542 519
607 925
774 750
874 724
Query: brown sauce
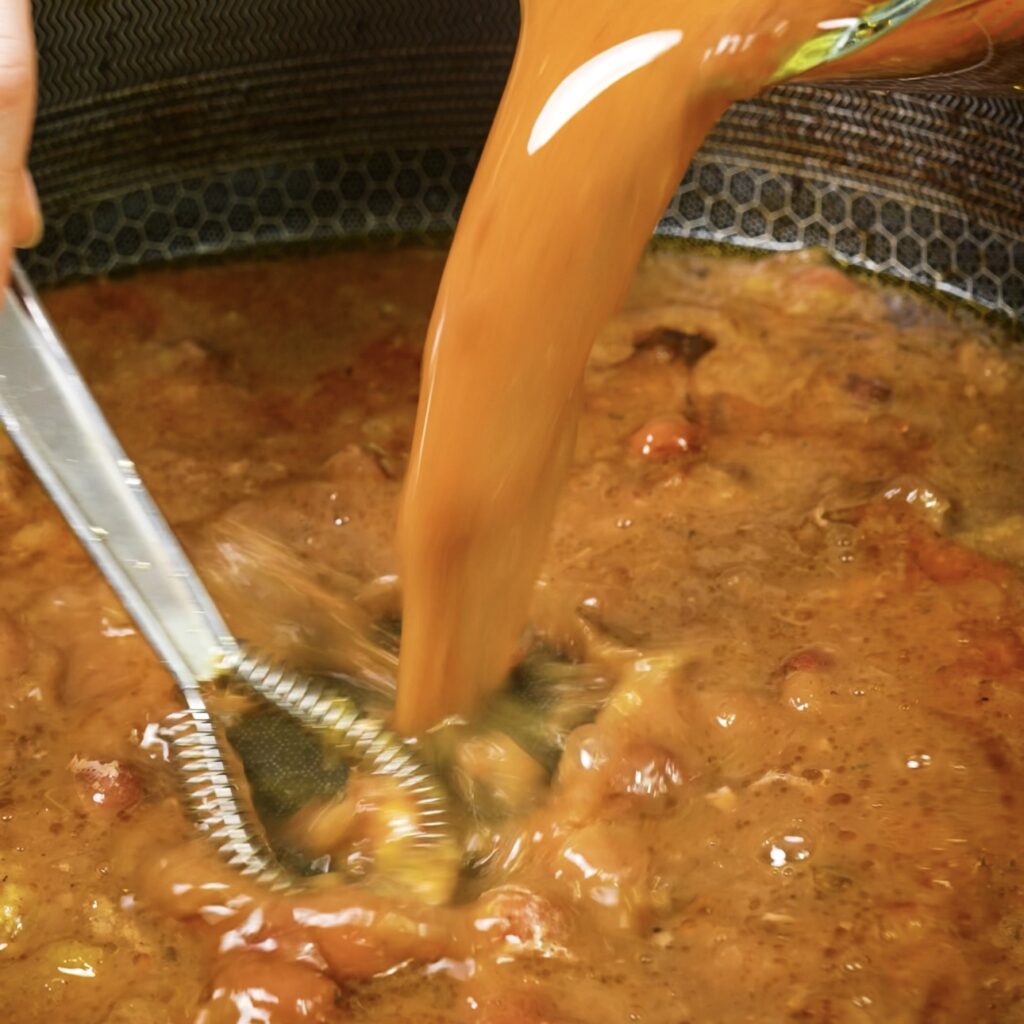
792 523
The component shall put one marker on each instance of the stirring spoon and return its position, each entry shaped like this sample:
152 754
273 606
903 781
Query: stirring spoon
55 422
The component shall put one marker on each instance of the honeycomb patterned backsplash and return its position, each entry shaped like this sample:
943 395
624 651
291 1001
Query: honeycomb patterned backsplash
929 245
385 194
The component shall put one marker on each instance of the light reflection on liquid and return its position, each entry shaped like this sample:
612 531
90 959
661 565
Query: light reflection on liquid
580 88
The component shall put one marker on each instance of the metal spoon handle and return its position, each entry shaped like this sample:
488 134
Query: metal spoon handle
51 416
55 422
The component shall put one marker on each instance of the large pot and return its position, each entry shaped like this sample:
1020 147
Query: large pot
179 128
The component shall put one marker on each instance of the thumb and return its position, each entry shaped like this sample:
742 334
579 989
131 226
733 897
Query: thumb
28 219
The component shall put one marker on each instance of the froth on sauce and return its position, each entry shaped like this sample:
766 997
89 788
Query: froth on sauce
605 106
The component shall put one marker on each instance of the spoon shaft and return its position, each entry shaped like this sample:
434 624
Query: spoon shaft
53 419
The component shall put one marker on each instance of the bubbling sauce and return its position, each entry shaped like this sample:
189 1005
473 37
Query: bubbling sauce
606 104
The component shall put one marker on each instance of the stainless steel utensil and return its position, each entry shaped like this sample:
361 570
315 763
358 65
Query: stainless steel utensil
57 425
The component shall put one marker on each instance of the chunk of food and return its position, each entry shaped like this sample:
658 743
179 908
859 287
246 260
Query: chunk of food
257 988
521 921
665 437
71 958
609 869
14 900
374 827
647 776
112 786
493 772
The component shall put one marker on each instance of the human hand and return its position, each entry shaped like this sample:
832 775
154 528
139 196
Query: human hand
20 219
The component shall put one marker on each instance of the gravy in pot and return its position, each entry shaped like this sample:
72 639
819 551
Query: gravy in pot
792 529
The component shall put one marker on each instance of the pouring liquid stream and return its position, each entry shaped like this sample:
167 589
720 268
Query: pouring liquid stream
605 106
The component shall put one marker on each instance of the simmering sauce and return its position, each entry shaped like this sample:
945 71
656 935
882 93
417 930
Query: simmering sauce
790 535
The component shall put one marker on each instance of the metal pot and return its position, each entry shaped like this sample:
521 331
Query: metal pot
198 127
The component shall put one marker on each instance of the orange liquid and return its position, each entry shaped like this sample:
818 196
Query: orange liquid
855 681
606 104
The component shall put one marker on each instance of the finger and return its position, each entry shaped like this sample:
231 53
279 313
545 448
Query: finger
28 218
17 102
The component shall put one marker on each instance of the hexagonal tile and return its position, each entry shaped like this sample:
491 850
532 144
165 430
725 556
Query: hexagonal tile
691 206
1013 291
135 205
847 241
741 187
157 226
985 288
722 214
99 255
711 179
270 201
909 253
815 234
753 223
996 257
940 255
127 241
241 218
380 167
968 257
77 229
864 212
785 229
215 197
772 196
922 222
893 218
952 227
803 202
106 217
834 208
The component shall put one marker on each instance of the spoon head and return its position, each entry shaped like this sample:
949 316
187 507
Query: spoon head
298 785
